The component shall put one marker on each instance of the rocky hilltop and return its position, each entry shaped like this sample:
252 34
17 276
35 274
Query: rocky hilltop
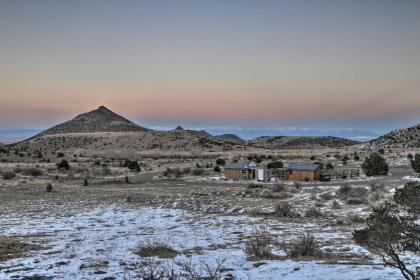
99 120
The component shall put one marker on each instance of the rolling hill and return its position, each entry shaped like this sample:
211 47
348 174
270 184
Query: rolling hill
400 138
300 142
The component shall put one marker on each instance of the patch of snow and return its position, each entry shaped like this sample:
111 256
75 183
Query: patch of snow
111 233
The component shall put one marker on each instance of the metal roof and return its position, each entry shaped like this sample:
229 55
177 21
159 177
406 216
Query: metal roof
303 166
236 165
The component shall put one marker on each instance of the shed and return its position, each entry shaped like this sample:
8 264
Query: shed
237 171
299 171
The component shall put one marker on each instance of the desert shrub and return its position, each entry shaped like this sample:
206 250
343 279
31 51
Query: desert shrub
32 172
329 166
377 187
336 204
177 270
220 161
259 244
279 188
409 157
356 157
254 186
49 188
392 230
151 248
415 163
284 210
356 201
345 159
375 165
381 151
312 157
275 164
217 169
9 175
18 170
353 195
64 164
326 196
132 165
60 154
254 211
313 213
176 172
280 195
198 171
307 246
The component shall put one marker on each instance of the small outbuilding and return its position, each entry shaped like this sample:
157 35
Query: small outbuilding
238 171
299 171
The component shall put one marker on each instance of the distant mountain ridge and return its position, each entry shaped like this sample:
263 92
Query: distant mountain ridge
102 129
400 138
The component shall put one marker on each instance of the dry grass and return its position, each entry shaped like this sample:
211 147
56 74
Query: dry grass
306 247
259 244
12 248
150 248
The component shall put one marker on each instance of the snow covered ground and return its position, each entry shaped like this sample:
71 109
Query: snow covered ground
99 243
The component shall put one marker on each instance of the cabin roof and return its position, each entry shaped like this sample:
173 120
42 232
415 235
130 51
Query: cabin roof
237 165
303 166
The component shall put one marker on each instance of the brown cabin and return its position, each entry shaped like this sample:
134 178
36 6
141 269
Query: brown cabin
304 171
238 171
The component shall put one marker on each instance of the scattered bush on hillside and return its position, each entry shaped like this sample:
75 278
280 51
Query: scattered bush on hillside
151 248
32 172
345 159
375 165
307 246
313 213
198 171
217 169
353 195
284 210
329 166
220 161
132 165
415 163
9 175
176 172
259 244
64 164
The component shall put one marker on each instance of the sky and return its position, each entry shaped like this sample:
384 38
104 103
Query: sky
285 66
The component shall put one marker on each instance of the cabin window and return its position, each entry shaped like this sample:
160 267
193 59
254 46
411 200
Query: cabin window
290 172
243 171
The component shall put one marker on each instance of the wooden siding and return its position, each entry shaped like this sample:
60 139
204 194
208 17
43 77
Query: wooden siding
237 174
305 175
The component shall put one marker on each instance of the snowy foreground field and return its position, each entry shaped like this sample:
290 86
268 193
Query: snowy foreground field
99 242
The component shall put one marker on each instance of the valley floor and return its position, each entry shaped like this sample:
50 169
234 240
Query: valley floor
92 232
